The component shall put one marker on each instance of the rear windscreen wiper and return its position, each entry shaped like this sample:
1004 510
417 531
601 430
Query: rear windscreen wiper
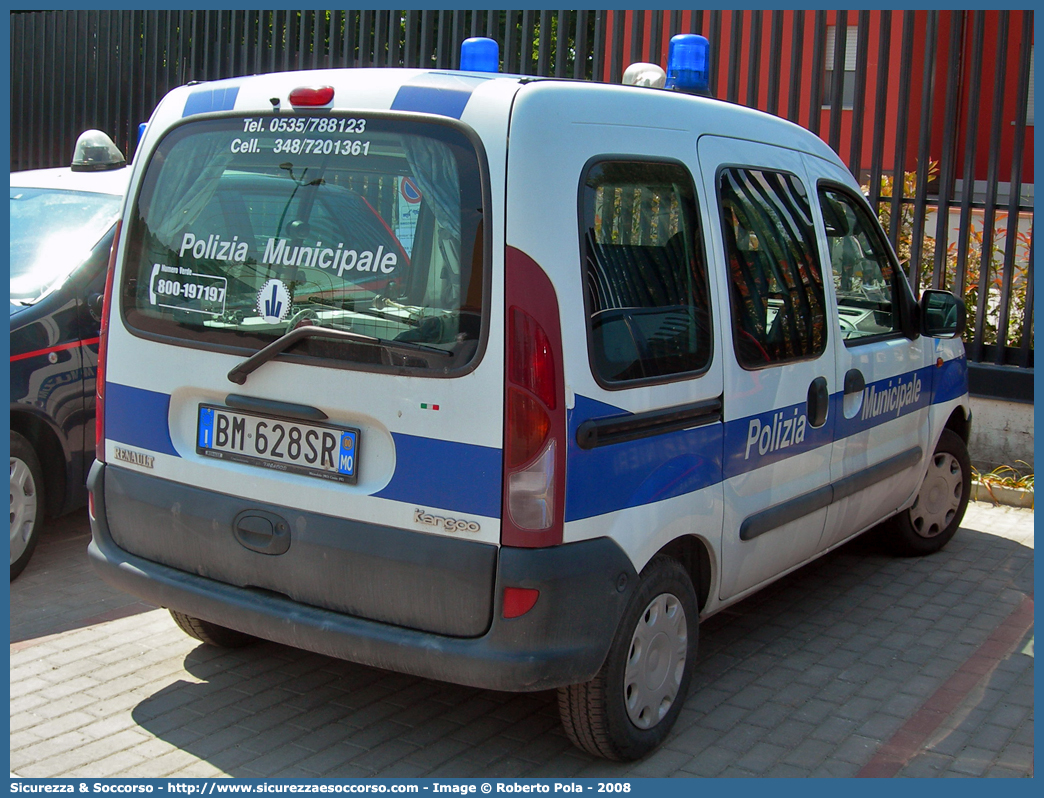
239 374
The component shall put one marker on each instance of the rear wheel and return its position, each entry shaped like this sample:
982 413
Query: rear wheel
629 707
211 633
939 508
27 502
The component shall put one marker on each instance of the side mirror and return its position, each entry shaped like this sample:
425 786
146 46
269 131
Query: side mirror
95 302
942 314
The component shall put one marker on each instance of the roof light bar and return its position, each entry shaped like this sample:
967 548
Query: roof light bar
688 64
642 74
479 54
96 152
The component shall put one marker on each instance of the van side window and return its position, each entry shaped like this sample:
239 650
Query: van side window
645 272
776 285
864 276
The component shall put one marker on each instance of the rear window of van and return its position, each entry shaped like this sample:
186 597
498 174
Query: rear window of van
247 228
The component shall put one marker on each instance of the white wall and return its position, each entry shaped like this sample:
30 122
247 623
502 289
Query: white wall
1002 433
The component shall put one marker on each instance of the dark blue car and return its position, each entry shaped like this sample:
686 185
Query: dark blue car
62 226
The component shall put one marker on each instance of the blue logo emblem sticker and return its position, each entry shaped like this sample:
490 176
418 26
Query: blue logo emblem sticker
273 301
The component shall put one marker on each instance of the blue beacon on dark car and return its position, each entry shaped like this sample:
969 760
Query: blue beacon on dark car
62 227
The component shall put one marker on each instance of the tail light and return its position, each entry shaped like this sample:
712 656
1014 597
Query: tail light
519 600
312 95
534 409
103 348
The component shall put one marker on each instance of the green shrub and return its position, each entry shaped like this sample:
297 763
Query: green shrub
965 283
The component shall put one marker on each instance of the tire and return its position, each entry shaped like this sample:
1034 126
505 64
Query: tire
211 633
27 502
938 510
615 715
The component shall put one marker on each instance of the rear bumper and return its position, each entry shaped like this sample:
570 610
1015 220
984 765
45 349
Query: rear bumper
563 640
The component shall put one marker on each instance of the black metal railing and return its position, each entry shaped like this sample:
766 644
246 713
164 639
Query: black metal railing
938 132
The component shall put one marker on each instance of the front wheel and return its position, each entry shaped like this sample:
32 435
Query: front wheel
929 523
27 502
630 705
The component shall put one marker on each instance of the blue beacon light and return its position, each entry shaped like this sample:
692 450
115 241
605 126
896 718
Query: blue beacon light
479 54
687 64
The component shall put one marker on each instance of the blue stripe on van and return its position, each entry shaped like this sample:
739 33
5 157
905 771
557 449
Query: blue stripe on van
138 418
888 399
453 476
765 438
623 475
633 473
435 93
206 101
951 381
429 473
466 478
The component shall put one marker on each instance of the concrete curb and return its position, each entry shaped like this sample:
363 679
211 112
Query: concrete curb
999 494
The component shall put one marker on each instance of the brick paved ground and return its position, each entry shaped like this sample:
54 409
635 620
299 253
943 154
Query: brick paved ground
859 663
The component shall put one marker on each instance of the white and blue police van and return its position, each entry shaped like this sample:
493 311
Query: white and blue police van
506 381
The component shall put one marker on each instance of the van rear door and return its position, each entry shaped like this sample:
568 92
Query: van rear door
301 364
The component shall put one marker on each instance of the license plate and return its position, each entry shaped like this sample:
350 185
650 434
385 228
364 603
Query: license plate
315 450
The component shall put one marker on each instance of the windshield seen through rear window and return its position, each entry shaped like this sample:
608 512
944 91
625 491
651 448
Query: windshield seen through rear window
52 232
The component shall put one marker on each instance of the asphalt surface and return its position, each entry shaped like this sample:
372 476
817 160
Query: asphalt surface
860 664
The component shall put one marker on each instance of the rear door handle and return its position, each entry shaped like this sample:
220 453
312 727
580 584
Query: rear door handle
854 382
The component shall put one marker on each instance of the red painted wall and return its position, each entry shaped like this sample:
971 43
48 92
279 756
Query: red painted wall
900 134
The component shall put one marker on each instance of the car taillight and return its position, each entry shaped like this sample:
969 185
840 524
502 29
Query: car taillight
534 408
103 348
519 600
528 426
531 362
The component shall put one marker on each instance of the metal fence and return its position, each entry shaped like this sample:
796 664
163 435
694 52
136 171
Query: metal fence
935 103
